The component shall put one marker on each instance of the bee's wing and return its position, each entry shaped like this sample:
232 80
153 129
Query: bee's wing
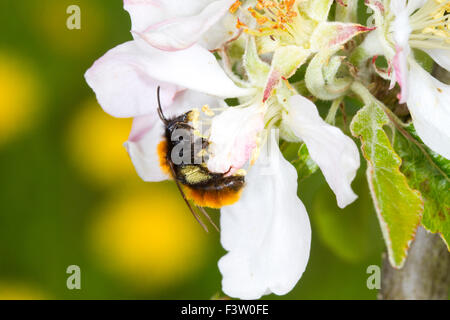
186 200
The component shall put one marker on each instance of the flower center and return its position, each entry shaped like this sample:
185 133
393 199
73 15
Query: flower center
430 25
273 18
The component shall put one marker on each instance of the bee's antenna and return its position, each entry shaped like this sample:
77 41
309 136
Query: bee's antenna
160 112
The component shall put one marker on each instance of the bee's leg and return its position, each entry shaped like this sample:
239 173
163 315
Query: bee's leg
186 200
202 210
229 170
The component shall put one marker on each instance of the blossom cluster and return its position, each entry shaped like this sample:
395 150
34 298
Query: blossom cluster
255 68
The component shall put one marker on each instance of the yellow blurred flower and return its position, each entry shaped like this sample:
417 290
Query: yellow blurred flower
19 95
19 291
150 237
95 143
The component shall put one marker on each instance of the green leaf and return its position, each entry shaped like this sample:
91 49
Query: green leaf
305 164
429 173
399 207
298 155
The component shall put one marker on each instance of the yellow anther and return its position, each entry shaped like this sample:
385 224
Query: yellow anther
207 110
194 115
241 25
273 17
197 133
235 6
202 153
240 172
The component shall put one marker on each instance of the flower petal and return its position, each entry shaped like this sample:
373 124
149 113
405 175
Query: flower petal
126 77
234 135
441 56
220 33
195 68
175 25
144 154
123 85
402 30
401 26
335 153
182 32
428 103
145 13
267 232
413 5
400 64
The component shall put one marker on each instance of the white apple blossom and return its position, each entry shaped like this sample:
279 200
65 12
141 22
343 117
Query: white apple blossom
267 232
404 26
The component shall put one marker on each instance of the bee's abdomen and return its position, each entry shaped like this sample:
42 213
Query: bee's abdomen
217 192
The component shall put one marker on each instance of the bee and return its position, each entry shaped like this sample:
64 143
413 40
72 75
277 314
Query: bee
192 176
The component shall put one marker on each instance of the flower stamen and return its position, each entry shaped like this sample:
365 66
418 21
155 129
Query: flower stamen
273 18
431 24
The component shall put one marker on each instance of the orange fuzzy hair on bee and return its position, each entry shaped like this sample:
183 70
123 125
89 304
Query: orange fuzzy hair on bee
212 198
162 152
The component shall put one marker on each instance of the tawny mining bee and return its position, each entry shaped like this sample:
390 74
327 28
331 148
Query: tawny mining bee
189 170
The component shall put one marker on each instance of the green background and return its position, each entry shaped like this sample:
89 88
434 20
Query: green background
69 195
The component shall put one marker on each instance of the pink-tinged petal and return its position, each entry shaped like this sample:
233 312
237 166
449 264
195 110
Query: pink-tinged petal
332 35
144 154
234 138
336 154
441 57
123 85
141 126
400 64
126 77
145 13
181 29
272 81
402 30
428 103
267 232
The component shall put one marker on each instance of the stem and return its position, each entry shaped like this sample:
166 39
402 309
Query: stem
331 117
426 274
